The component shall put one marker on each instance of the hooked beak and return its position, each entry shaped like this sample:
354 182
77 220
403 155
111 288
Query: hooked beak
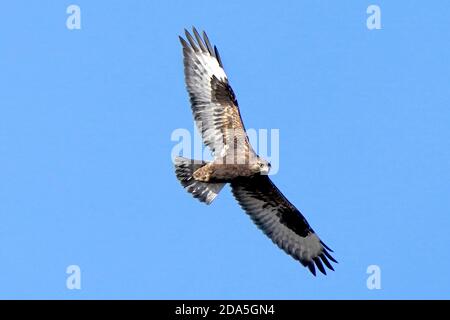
265 170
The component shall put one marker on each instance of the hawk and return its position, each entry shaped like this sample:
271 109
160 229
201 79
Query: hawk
216 113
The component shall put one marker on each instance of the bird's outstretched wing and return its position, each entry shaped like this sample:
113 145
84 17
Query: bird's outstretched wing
281 221
213 102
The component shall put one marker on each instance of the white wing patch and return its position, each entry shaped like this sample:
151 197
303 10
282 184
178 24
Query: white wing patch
212 66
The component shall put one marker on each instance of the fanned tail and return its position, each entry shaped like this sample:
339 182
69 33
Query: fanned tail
203 191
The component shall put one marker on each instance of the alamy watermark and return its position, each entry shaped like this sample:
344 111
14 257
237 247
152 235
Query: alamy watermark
73 21
73 281
264 142
374 280
373 22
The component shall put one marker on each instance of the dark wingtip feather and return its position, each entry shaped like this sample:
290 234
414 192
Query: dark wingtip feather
325 252
312 268
319 265
199 40
183 42
191 40
208 44
323 244
327 263
216 52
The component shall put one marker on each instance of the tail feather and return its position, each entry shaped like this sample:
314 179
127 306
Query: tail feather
203 191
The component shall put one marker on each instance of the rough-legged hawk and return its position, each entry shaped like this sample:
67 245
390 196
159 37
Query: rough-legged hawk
217 116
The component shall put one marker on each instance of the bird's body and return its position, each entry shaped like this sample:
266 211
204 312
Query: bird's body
216 113
222 172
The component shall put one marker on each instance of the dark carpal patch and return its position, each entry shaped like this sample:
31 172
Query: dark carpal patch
221 92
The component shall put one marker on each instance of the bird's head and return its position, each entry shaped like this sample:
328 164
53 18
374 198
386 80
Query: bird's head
261 166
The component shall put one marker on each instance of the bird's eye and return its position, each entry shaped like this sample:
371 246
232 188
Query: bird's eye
261 165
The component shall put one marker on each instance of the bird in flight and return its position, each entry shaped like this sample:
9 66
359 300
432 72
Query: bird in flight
216 113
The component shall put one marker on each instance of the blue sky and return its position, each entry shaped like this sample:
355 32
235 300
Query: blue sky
86 177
